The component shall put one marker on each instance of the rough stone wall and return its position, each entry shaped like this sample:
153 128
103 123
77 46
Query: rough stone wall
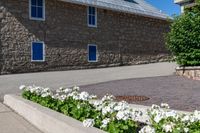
189 72
122 39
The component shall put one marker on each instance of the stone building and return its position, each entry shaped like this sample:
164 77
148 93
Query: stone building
185 4
44 35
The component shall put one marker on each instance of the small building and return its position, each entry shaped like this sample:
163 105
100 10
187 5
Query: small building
44 35
185 4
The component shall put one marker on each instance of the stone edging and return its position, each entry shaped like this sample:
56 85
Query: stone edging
188 68
192 72
46 120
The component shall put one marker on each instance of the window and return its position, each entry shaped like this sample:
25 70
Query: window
132 1
92 53
37 9
37 51
92 16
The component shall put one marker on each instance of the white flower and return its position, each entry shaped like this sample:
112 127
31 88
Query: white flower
88 123
120 115
136 115
67 90
123 115
76 88
55 96
107 98
121 106
60 90
155 106
84 96
78 106
168 127
62 97
98 105
171 114
186 130
46 94
165 105
197 115
185 118
158 117
45 90
74 95
93 97
105 123
22 87
147 129
192 119
107 109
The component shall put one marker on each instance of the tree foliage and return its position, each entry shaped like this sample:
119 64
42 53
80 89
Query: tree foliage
184 38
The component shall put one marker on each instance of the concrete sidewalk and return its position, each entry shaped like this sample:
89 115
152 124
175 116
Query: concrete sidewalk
10 122
11 83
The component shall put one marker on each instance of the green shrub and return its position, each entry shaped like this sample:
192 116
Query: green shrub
184 38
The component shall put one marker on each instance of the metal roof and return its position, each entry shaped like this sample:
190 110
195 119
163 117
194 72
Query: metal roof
140 7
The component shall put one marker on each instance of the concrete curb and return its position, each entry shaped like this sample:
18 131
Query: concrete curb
47 120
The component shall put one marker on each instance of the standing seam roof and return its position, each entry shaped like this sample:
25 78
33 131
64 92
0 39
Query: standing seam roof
140 7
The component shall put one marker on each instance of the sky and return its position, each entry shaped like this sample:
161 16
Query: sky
166 6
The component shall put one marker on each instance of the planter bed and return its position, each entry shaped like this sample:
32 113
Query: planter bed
109 116
46 120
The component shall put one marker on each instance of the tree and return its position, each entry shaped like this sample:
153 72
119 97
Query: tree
184 38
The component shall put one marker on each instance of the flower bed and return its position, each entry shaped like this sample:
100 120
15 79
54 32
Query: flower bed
110 116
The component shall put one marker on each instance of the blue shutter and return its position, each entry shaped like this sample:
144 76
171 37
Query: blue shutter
37 51
92 53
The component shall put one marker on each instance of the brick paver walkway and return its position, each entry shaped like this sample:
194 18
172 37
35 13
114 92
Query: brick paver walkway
179 92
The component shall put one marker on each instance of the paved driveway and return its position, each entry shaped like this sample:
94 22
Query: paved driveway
181 93
10 83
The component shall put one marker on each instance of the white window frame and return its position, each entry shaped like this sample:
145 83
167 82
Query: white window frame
90 25
44 55
97 53
35 18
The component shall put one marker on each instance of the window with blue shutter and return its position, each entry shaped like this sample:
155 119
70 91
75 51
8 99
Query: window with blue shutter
92 53
92 16
37 9
37 51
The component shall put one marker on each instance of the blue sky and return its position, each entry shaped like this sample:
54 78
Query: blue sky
167 6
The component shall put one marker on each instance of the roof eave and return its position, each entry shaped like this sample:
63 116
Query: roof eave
108 8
